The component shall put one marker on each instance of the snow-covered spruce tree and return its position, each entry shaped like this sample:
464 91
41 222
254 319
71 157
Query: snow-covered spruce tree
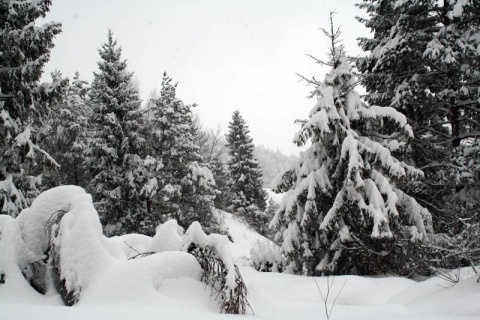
114 152
343 212
65 140
246 196
424 61
179 186
24 50
220 174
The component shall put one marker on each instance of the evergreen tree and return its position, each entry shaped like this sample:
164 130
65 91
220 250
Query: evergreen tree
220 174
343 211
246 196
66 138
272 208
424 61
24 50
115 146
179 186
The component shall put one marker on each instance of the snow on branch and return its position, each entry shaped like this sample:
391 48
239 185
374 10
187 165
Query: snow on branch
213 253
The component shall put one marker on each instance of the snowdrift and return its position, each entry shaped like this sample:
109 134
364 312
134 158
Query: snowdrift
135 276
57 245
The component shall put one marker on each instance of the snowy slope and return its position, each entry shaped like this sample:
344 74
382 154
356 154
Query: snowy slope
244 238
167 286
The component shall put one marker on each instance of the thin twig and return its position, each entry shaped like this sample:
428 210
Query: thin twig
328 312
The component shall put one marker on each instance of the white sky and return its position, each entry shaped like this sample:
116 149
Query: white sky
225 54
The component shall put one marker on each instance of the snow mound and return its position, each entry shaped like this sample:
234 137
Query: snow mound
167 284
438 296
128 246
140 281
32 220
168 237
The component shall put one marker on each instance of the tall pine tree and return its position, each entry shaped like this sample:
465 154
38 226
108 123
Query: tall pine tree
179 186
246 196
423 60
343 211
115 145
24 50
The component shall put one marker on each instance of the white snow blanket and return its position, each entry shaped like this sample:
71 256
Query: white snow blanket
167 285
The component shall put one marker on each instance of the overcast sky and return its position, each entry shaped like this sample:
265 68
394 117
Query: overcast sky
224 54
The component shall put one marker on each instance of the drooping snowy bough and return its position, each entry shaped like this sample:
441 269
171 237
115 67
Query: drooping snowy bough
213 254
343 211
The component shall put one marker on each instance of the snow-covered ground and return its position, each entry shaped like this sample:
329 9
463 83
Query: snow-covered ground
167 285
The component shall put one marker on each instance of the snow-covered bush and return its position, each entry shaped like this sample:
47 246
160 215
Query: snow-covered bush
266 257
62 233
213 253
33 220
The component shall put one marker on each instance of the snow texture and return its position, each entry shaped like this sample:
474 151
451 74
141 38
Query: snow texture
167 284
32 220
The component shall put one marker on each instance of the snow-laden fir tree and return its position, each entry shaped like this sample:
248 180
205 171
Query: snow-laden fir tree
423 60
24 50
179 186
343 212
246 196
220 174
115 145
65 140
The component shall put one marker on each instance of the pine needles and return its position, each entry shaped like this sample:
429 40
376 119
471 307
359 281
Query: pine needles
233 300
52 228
